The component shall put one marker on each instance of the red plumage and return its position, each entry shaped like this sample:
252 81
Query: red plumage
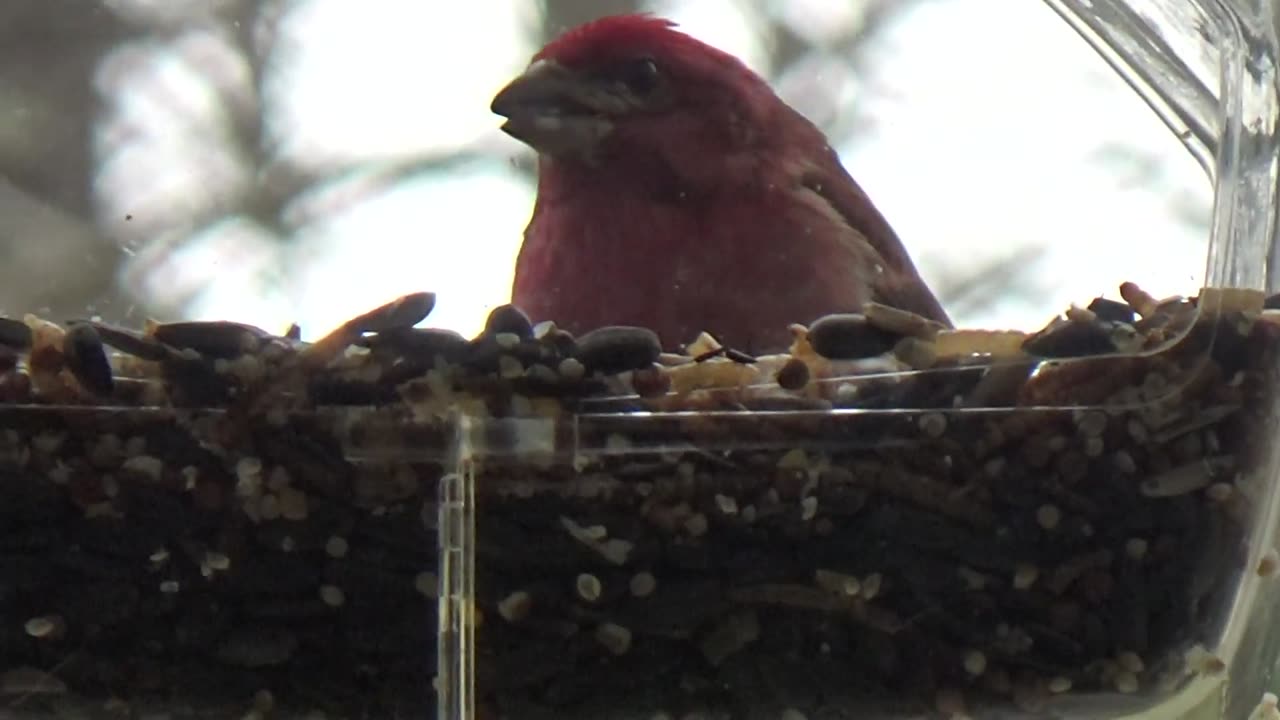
590 42
676 191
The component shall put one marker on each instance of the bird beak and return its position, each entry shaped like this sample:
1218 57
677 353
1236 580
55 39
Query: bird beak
553 111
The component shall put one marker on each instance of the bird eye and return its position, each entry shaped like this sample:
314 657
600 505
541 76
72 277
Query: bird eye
640 76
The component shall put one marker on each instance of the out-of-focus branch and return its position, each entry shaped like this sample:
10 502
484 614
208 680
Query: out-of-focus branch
255 27
53 259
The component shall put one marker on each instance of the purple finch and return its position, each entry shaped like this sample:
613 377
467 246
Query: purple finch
677 192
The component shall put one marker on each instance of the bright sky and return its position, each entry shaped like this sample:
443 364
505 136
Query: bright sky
983 126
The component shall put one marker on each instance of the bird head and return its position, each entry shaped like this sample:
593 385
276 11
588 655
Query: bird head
632 85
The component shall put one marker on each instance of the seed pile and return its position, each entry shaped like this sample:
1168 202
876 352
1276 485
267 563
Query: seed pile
206 519
1082 534
213 520
182 527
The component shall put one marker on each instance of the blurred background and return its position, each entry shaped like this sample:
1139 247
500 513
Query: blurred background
279 161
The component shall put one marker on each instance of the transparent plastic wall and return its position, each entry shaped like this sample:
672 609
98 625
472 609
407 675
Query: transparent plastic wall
1076 525
886 519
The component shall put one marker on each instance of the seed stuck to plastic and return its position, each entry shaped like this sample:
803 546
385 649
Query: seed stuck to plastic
1059 684
933 424
615 638
696 525
731 635
950 702
1126 682
1048 516
249 474
1135 548
1185 478
571 368
589 587
332 595
336 547
794 459
1266 708
269 507
516 606
293 504
43 627
1268 563
871 585
509 367
1092 423
615 550
147 466
1131 661
1201 661
973 579
727 505
837 582
1220 492
595 533
975 662
1025 576
1124 462
264 701
643 584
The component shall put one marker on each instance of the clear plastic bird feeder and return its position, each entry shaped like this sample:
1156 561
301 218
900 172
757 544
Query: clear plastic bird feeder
890 520
1032 530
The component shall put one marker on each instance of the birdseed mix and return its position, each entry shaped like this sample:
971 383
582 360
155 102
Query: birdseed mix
212 520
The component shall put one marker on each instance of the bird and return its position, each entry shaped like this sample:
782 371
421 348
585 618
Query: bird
677 192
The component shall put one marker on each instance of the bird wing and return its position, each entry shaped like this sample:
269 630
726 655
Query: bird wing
899 285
